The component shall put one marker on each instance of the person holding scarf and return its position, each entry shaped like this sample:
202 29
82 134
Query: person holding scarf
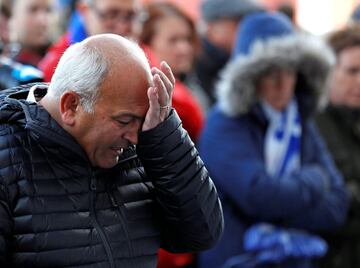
279 186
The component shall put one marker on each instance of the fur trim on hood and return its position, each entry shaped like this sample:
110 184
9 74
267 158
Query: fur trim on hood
307 55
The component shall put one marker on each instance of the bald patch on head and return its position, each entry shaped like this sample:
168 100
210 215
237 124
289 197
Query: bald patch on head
128 68
119 51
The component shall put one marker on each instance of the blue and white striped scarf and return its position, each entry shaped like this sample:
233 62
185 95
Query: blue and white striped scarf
282 140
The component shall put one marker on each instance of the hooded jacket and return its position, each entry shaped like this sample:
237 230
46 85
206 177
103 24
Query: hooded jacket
312 198
56 210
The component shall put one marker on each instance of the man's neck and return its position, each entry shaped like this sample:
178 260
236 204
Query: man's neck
49 103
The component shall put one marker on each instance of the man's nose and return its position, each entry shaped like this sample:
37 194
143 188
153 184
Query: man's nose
132 136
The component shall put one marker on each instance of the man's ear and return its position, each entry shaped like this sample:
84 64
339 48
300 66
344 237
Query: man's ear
69 107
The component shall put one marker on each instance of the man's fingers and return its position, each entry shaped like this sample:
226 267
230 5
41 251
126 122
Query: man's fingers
165 68
160 95
167 83
152 118
166 76
164 98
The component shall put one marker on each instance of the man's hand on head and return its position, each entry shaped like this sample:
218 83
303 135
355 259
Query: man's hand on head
160 96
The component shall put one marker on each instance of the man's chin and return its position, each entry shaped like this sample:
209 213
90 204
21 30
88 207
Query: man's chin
110 163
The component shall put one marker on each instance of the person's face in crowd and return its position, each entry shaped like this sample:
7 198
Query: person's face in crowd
118 116
4 29
345 83
173 42
112 16
277 88
31 21
222 33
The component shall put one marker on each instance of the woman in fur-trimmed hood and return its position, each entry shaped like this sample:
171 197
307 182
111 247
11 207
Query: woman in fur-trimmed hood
278 183
308 56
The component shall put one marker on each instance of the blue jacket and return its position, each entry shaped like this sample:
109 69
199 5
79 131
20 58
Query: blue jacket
312 198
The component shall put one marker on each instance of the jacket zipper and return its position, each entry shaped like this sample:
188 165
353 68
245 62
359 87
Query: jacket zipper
96 223
124 225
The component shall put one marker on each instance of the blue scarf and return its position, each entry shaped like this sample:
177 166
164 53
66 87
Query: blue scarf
282 140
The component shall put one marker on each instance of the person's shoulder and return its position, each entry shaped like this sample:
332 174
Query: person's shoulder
221 126
12 140
216 114
11 114
323 118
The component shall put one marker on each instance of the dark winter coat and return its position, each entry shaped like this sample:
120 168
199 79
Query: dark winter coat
56 210
340 128
208 66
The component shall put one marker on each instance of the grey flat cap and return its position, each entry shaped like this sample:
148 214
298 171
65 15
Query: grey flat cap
217 9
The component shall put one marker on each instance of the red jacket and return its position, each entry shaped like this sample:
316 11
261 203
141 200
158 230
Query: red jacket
188 109
48 64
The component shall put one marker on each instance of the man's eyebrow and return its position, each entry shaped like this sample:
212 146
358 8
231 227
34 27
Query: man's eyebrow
129 115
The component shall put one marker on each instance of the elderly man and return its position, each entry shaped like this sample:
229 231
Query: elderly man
76 191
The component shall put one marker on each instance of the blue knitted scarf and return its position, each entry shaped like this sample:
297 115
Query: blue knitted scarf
282 140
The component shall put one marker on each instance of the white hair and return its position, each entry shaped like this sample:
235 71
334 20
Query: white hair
81 69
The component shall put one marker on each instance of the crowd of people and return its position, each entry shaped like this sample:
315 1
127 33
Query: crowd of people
133 136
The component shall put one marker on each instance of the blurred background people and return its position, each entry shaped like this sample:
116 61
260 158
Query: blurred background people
220 19
94 17
64 13
169 34
278 183
12 73
355 15
30 30
5 14
288 10
339 124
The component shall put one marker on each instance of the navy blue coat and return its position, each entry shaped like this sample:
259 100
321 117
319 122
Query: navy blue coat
312 198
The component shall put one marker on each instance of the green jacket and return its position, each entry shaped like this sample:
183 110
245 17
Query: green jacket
340 128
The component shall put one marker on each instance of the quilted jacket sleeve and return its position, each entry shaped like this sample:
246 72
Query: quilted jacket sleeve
5 226
193 219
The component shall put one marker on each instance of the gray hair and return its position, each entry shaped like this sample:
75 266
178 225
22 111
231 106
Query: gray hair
81 69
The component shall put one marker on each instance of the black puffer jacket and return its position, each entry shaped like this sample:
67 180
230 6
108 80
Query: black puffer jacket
58 211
